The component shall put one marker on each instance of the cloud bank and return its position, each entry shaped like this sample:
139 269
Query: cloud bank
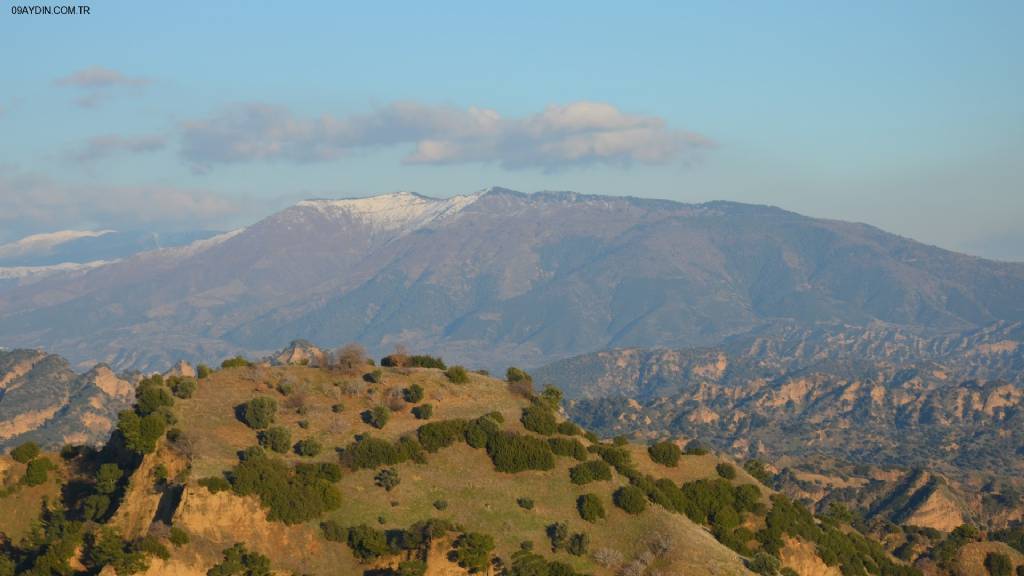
579 133
110 144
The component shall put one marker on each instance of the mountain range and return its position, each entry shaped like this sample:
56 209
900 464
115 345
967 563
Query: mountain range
501 276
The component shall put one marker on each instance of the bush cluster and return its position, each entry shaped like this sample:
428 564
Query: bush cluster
236 362
291 495
512 452
631 499
590 471
540 418
413 394
276 438
457 374
665 453
25 452
368 452
259 413
568 447
590 507
423 411
239 561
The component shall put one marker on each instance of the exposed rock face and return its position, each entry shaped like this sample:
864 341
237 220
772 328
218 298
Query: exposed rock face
300 352
43 400
500 277
182 368
880 395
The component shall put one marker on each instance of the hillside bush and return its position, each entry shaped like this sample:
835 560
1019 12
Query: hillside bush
665 453
214 484
568 428
436 435
276 438
512 452
290 497
308 447
141 433
151 396
239 561
387 479
181 387
618 457
423 411
107 478
457 374
631 499
568 447
236 362
203 371
590 507
525 503
333 531
424 361
725 470
259 413
25 452
413 394
374 376
178 537
998 564
590 471
367 543
551 396
758 470
579 544
412 568
36 471
368 452
377 416
473 551
558 534
538 417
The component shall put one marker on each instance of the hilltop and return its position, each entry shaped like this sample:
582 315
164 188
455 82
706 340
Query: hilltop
501 276
333 465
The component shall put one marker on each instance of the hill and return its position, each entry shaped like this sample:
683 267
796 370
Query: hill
499 276
338 469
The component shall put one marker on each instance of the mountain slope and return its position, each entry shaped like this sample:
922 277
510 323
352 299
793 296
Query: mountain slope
504 276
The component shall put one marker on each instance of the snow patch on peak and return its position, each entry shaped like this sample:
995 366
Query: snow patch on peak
399 211
46 241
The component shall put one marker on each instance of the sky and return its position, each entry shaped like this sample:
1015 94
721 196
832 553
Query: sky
187 115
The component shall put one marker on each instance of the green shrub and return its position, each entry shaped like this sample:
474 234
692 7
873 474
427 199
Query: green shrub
374 376
95 506
424 361
473 551
377 416
696 448
436 435
568 447
423 411
764 564
525 503
178 537
590 508
441 504
539 418
337 408
141 433
285 388
25 452
308 447
457 374
998 564
568 428
182 387
590 471
665 453
107 478
412 567
239 561
725 470
631 499
203 371
150 546
36 471
619 458
151 396
333 531
551 396
367 543
511 452
369 452
258 413
758 470
290 497
413 394
579 544
215 484
276 438
387 479
236 362
558 534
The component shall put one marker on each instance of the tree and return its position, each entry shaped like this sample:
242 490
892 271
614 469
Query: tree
759 470
258 413
25 452
413 394
236 362
457 374
276 438
998 564
538 417
181 387
590 508
203 371
665 453
107 478
578 544
558 533
367 543
412 568
141 433
387 479
552 396
590 471
631 499
764 564
473 551
178 537
519 382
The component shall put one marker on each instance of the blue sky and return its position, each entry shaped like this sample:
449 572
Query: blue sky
905 115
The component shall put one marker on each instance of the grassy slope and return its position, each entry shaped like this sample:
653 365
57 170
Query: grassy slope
479 498
20 510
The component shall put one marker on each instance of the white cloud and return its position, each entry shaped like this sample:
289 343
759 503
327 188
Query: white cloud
98 84
111 144
574 134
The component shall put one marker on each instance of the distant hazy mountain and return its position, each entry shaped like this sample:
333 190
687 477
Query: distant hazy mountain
82 246
501 276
